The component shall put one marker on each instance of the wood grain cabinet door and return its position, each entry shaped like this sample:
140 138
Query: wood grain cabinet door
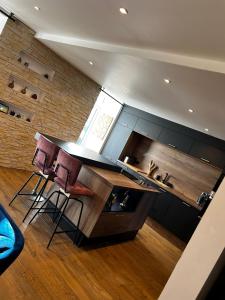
148 129
176 140
208 154
110 223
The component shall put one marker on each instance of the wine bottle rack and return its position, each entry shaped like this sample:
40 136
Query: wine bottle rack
24 88
30 63
15 111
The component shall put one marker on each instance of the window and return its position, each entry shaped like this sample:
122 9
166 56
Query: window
100 122
3 20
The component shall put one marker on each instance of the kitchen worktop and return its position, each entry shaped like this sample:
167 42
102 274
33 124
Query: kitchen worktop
118 179
140 173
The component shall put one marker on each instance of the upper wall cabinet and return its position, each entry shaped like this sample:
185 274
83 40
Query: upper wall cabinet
208 154
127 120
148 129
175 140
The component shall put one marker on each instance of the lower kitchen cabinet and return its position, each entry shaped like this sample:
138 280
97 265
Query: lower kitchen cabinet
159 207
181 218
175 215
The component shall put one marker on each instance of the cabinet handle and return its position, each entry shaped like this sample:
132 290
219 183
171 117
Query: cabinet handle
186 204
171 145
124 124
205 160
162 190
199 217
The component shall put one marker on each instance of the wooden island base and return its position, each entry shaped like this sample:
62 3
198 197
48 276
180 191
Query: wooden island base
116 212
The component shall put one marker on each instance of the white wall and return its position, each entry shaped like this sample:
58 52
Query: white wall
201 254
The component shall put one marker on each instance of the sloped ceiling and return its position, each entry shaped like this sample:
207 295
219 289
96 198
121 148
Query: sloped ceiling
132 54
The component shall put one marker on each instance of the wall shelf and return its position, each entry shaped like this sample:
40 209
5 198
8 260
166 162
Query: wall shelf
21 86
30 63
15 111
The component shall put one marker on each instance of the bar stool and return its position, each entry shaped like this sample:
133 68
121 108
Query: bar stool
45 154
67 170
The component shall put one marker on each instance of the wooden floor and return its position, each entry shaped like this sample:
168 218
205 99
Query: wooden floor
137 269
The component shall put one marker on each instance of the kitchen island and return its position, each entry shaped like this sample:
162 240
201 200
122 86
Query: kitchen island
119 206
85 155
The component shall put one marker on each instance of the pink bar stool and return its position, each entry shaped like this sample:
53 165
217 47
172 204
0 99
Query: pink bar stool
67 170
45 155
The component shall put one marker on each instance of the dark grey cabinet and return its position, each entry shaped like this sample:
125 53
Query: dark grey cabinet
208 154
148 129
175 215
181 218
127 120
116 142
175 140
159 207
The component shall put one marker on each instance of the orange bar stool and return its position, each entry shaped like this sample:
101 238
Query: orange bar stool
45 155
67 170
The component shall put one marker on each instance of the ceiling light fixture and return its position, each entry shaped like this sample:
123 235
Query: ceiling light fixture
190 110
37 8
91 63
167 81
123 11
206 129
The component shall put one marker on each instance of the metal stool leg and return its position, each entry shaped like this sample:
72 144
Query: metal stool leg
56 206
40 193
34 191
42 206
18 193
76 234
66 201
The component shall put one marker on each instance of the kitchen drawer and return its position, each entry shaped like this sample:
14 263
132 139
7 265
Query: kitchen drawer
176 140
127 120
148 129
208 154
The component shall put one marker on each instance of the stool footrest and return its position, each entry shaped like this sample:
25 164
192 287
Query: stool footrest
46 211
64 231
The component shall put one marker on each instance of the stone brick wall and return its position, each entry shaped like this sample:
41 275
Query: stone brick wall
61 112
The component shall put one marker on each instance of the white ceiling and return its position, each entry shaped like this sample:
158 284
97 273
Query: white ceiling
180 40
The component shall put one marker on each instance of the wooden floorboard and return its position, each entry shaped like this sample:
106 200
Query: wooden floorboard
136 269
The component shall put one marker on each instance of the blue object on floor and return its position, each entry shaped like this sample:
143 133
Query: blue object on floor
11 240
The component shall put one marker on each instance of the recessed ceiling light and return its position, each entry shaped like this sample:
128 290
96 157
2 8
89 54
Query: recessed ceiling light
91 63
123 11
167 81
37 8
190 110
206 129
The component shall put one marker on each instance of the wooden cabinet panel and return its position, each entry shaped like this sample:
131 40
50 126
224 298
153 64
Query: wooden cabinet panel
113 223
116 142
148 129
175 140
208 154
127 120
